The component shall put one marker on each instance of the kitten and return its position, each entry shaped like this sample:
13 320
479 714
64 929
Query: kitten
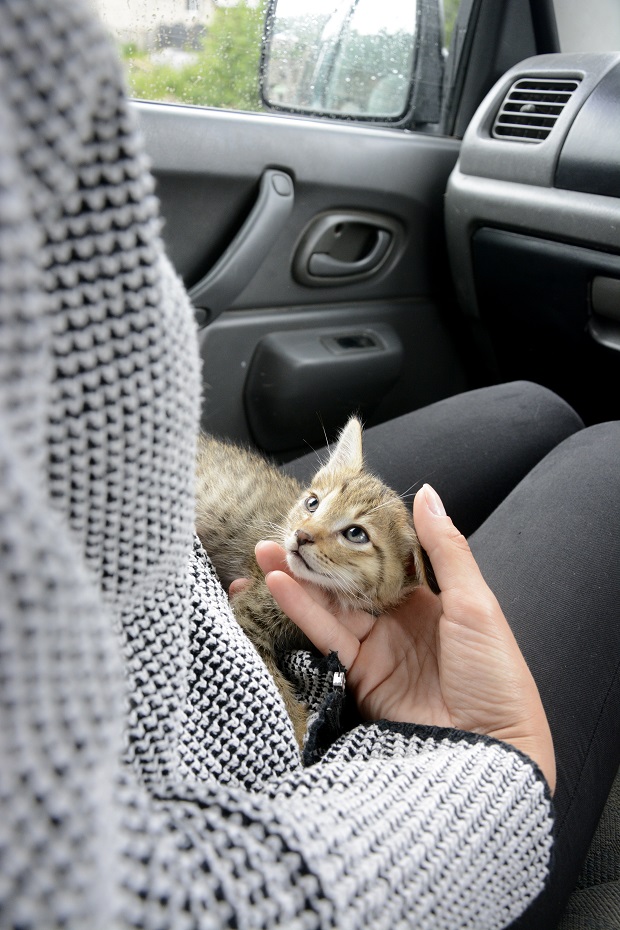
347 532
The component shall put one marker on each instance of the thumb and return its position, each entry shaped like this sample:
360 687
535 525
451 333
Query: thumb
448 551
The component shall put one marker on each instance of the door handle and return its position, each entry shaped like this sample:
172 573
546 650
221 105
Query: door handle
345 247
236 267
323 265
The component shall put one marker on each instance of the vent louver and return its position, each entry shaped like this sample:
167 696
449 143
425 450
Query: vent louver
531 108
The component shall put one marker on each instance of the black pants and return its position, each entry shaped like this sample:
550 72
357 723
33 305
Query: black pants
539 497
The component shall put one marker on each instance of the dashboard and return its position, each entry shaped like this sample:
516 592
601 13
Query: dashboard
533 227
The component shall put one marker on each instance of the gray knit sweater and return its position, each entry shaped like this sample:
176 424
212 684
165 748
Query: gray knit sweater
148 772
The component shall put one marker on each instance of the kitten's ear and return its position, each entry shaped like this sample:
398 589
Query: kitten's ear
347 455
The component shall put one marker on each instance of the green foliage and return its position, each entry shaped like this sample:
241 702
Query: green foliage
222 73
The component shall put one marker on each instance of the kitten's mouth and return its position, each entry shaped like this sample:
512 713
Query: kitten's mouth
294 557
297 553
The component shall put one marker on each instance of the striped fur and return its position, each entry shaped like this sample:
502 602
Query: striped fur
346 532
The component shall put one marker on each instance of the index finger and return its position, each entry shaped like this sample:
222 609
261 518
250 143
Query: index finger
271 557
317 623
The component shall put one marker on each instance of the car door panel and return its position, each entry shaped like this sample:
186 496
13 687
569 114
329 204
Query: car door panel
208 166
431 367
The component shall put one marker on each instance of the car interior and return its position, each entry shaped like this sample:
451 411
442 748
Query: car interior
338 265
377 265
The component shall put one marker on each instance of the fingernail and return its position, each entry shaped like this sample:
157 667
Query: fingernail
433 501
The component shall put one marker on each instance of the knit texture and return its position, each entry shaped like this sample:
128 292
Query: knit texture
313 679
149 776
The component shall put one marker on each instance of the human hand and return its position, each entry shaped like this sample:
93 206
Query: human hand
237 586
448 660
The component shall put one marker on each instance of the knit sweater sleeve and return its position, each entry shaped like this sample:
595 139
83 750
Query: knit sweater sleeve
150 777
396 827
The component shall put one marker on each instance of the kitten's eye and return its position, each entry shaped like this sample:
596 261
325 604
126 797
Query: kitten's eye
311 503
356 534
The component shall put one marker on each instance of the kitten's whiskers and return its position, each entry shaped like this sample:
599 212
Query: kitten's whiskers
420 481
392 503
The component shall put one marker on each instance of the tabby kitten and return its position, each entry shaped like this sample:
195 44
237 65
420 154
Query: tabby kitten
347 533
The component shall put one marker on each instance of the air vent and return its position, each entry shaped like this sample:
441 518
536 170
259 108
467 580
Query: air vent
531 108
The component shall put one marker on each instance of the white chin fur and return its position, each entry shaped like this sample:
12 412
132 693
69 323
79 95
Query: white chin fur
301 570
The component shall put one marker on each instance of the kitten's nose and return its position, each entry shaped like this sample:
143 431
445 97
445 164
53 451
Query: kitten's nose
302 537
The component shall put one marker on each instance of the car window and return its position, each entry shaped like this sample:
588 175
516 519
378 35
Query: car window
351 59
190 51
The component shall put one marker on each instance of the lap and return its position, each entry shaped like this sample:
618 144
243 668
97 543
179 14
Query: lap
473 448
541 496
550 552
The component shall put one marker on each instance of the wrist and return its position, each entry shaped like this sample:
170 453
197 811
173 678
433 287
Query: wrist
533 739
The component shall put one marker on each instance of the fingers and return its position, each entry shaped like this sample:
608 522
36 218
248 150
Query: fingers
317 623
237 586
271 557
447 549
